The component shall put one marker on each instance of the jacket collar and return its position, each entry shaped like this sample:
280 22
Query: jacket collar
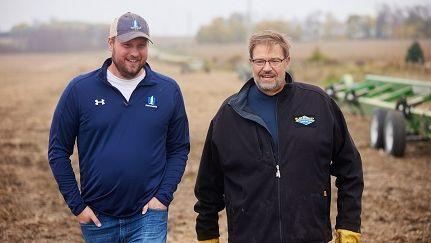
148 80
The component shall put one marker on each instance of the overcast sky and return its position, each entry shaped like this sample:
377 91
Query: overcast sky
180 17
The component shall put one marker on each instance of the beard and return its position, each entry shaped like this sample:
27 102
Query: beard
265 86
126 70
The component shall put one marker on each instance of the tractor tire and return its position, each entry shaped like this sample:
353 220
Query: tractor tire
377 124
395 133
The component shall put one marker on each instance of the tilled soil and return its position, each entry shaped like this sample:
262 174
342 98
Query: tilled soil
397 195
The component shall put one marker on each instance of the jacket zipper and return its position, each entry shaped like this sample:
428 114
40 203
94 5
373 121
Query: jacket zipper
278 176
277 173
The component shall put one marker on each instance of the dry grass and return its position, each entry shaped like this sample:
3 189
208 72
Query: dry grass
342 50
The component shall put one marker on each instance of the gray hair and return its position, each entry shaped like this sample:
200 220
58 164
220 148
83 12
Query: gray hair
269 37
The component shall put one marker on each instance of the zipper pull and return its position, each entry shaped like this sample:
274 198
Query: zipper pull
277 173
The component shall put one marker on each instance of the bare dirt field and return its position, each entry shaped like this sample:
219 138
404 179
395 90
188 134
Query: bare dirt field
397 195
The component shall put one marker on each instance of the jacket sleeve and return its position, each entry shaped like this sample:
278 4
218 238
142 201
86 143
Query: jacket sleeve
64 129
209 191
177 150
347 168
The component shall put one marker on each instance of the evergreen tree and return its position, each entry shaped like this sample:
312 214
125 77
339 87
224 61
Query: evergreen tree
415 54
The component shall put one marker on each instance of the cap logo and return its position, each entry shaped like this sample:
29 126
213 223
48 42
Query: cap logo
135 26
129 26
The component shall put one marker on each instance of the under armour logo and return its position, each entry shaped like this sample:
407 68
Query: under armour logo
97 102
135 26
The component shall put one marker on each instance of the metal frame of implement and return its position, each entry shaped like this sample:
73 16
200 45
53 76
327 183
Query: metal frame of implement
400 109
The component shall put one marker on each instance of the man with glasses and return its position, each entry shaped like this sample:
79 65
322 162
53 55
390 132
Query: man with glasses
269 155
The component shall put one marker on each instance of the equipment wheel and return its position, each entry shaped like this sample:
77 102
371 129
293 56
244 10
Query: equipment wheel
377 123
395 133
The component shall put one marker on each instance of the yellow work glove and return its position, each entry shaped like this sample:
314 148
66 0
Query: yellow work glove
347 236
209 241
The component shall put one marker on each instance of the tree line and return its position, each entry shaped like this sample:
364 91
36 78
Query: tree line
390 22
55 36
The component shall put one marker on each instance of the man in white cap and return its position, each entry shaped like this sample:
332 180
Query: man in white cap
132 136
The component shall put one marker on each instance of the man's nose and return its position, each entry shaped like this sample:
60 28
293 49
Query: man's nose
267 66
134 51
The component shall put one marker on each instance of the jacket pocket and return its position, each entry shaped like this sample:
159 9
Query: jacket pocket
310 222
255 224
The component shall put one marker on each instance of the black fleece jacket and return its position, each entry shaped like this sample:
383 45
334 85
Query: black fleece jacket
279 195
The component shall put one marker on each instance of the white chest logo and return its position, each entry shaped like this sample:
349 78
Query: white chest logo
99 102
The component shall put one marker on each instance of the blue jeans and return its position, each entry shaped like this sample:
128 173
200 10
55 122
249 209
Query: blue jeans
150 227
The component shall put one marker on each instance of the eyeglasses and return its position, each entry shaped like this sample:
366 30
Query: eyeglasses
274 62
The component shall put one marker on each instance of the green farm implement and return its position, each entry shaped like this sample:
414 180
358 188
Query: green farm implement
399 109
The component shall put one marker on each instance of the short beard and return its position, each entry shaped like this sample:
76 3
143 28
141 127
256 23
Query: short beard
276 86
121 67
267 87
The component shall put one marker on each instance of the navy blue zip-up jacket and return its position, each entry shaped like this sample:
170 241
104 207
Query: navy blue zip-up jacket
129 151
279 194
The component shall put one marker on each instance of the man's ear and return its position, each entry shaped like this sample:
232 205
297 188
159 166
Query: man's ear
287 63
288 60
111 43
